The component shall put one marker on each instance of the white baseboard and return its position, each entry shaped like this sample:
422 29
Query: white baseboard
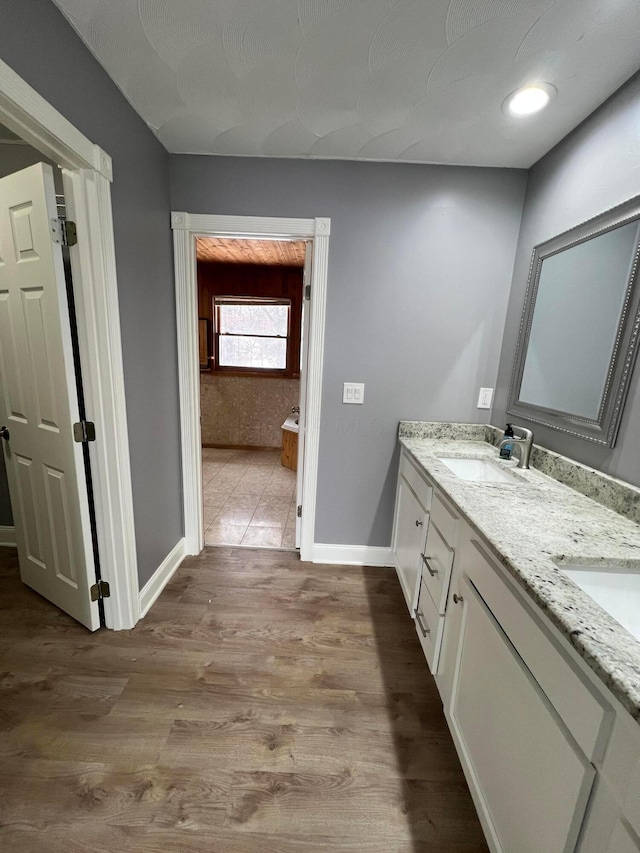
161 577
352 555
8 537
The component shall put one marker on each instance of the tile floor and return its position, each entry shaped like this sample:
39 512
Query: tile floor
249 499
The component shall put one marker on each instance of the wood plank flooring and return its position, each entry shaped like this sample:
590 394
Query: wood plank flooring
263 706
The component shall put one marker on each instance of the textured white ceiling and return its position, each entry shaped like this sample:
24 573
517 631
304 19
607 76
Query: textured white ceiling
407 80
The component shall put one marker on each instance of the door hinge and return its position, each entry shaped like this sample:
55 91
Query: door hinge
299 511
100 590
63 231
84 431
307 291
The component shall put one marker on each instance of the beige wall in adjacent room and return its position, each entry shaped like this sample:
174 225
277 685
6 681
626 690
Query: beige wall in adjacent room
246 411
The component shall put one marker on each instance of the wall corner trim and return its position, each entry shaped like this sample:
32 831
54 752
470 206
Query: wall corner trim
103 163
179 221
353 555
7 537
161 577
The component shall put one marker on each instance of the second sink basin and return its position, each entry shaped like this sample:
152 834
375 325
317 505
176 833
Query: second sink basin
478 470
615 588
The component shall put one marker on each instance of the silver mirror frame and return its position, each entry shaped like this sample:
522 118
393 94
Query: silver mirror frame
603 429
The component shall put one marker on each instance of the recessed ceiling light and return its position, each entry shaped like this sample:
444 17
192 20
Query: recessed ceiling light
529 99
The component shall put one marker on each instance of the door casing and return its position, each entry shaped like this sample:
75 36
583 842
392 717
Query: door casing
87 176
186 228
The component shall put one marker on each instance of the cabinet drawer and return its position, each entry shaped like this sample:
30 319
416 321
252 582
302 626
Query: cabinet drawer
409 540
445 519
419 485
429 625
436 571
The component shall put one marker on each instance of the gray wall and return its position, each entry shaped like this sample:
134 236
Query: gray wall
420 265
14 157
593 169
41 47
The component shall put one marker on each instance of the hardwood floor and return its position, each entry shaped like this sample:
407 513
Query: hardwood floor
263 706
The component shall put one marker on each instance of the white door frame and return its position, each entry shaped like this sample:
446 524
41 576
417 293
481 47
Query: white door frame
87 185
186 227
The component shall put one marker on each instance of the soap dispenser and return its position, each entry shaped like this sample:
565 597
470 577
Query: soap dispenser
507 449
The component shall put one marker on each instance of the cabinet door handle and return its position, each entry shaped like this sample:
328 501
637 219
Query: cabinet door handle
419 523
457 599
423 628
425 560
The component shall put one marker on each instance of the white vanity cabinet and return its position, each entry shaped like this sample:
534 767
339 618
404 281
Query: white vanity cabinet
411 522
551 757
531 780
552 761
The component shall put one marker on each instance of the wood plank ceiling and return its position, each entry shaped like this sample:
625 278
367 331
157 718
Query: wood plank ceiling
230 250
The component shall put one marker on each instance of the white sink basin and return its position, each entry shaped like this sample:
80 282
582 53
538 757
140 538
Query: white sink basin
291 424
615 588
478 470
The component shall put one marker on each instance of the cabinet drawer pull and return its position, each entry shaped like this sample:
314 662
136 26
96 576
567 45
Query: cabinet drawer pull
425 560
419 523
423 628
457 599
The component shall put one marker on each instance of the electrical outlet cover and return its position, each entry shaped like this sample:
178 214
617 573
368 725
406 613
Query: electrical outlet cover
485 397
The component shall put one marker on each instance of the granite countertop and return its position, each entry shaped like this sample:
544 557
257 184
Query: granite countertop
529 524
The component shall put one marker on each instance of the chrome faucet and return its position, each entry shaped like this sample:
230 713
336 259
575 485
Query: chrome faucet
523 440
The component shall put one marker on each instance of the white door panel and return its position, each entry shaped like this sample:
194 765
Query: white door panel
38 401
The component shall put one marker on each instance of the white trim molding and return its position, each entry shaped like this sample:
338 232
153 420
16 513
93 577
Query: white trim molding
87 173
25 112
93 264
7 537
186 227
353 555
315 362
161 577
189 387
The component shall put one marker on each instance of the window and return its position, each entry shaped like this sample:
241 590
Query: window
252 335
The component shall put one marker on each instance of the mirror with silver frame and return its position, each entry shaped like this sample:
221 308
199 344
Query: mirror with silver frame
579 329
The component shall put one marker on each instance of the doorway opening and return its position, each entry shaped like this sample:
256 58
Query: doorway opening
250 311
314 233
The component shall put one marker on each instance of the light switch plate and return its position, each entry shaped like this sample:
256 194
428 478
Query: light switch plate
485 397
353 392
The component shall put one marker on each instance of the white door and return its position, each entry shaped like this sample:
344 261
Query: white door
38 401
304 352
